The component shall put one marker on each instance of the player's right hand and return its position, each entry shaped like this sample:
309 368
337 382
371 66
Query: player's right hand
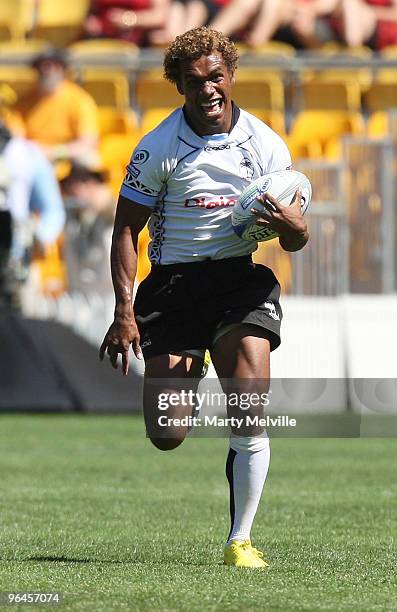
118 339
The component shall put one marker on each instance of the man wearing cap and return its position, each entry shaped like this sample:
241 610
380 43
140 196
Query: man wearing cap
58 114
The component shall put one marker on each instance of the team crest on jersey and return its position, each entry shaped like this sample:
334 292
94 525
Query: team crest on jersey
246 169
141 156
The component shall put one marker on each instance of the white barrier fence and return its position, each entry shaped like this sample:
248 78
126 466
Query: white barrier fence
336 354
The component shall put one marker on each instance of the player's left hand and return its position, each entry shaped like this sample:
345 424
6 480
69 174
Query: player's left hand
285 220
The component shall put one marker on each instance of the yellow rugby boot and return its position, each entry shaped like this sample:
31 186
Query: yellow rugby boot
206 364
243 554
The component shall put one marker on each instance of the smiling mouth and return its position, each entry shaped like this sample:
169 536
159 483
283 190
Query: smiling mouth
213 108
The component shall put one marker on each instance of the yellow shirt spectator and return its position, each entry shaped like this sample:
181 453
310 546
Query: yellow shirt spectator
59 117
58 114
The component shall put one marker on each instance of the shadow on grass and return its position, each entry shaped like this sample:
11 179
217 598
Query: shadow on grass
63 559
73 560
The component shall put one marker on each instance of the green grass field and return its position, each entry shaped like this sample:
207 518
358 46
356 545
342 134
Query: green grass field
90 508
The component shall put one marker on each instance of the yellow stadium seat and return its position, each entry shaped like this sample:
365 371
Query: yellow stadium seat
363 76
60 21
152 117
329 95
102 49
144 264
21 79
270 254
378 125
16 18
112 120
274 119
22 50
389 52
313 130
115 152
388 75
259 89
51 270
274 47
333 150
107 87
152 91
381 96
334 48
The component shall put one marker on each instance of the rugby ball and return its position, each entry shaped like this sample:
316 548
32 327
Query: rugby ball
281 185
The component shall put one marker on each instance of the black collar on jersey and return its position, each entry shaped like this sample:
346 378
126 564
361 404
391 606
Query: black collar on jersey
235 117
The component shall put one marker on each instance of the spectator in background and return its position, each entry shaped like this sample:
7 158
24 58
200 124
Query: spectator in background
265 16
185 15
90 214
131 20
31 210
297 22
58 114
366 22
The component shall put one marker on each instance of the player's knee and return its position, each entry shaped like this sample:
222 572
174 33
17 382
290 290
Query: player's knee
166 444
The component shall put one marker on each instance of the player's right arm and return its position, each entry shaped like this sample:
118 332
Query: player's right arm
130 219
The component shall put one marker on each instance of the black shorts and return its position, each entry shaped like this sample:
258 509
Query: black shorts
182 306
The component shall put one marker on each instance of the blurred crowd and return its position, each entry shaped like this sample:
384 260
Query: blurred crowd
56 200
303 23
47 207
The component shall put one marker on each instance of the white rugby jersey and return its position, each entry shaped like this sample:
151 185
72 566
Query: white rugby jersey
191 183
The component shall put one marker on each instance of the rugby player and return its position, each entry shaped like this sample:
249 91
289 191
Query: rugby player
203 291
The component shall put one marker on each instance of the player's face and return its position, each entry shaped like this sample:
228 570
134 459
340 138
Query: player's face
206 84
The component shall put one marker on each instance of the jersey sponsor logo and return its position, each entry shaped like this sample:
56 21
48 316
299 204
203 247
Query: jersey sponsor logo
209 203
141 156
134 171
246 169
221 147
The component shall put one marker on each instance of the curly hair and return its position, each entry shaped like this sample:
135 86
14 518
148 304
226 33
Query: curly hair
193 44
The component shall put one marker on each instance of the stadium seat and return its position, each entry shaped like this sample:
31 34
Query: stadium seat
333 48
312 130
103 51
16 18
363 76
107 87
388 75
389 52
152 117
114 121
270 254
278 49
383 124
21 51
274 119
329 95
60 21
256 88
152 91
115 152
51 270
378 124
21 79
381 96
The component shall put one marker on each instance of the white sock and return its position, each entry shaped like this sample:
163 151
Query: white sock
246 469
